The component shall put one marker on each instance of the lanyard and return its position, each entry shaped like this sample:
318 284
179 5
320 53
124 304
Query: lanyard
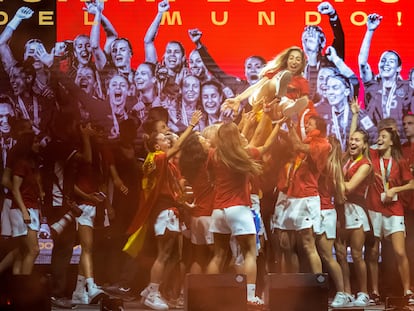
26 115
337 127
385 174
350 164
387 107
292 168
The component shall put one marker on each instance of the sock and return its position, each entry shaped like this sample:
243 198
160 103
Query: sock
153 287
90 282
80 284
251 291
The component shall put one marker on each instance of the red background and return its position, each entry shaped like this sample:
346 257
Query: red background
241 36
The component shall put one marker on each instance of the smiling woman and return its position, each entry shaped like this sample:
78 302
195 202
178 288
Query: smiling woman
386 212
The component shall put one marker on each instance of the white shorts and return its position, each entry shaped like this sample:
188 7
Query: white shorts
87 217
6 226
384 226
356 217
234 220
297 213
166 219
19 228
200 234
328 223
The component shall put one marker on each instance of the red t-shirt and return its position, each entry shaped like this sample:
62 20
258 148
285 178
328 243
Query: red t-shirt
297 87
326 192
29 188
169 186
203 193
358 196
399 174
231 187
299 178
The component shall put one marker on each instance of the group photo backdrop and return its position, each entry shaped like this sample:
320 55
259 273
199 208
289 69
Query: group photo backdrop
235 29
232 30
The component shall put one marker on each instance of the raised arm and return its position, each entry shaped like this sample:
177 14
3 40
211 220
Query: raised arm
96 8
228 80
339 63
338 43
343 68
110 32
248 125
6 54
297 143
195 118
273 134
355 114
149 47
373 21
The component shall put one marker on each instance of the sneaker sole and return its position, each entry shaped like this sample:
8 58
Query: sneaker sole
97 298
299 105
117 294
149 305
62 305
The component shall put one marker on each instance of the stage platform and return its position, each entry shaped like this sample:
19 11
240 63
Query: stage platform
137 306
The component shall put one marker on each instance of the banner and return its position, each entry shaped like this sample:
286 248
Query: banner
235 29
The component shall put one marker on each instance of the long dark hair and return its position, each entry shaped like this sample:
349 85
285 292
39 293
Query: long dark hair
192 157
23 147
333 169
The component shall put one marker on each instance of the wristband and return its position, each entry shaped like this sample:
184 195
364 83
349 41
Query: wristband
192 125
14 23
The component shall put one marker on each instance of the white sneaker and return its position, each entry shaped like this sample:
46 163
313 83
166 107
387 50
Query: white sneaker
155 301
291 107
256 300
410 297
374 299
351 300
282 80
362 300
340 300
95 294
144 294
80 297
255 304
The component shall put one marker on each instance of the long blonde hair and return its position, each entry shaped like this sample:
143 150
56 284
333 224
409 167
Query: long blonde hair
280 61
230 151
333 169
